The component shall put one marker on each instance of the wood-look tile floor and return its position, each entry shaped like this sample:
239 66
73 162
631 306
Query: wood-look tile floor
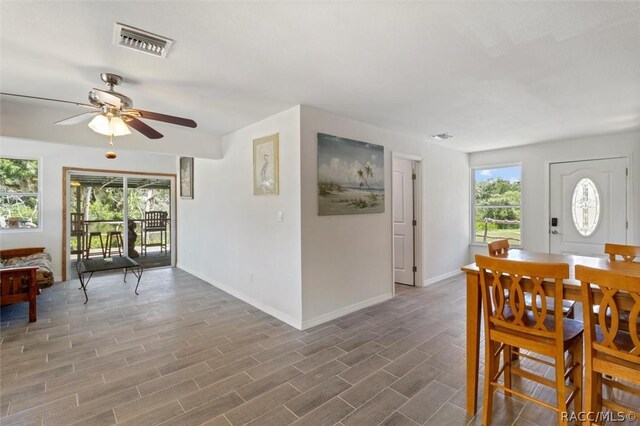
186 353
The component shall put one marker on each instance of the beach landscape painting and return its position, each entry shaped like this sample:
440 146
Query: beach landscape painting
350 176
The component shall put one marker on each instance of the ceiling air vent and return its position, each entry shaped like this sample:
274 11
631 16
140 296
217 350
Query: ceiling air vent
142 41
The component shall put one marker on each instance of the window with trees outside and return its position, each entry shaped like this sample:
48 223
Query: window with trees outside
19 193
496 204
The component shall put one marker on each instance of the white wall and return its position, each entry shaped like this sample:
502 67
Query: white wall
535 160
227 233
347 260
53 157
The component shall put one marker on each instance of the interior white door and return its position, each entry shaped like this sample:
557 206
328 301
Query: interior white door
587 206
403 222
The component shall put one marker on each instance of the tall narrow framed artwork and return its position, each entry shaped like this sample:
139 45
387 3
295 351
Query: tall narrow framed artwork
186 177
350 176
266 179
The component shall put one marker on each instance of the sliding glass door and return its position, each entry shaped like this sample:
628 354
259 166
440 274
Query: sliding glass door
116 214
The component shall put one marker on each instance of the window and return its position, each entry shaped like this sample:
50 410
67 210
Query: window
585 207
19 194
496 204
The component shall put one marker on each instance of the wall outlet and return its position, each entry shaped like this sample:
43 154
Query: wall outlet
250 277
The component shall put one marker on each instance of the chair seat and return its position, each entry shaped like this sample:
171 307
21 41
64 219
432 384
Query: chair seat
155 228
572 329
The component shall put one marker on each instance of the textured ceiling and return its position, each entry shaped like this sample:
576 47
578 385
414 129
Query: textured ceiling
492 74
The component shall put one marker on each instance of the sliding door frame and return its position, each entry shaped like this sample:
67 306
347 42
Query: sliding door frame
66 196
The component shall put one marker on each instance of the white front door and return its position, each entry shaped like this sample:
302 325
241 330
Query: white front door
587 206
403 222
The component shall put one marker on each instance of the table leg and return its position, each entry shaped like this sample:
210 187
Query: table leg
139 275
473 341
83 285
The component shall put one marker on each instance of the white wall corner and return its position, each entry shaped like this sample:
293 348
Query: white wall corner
276 313
441 277
321 319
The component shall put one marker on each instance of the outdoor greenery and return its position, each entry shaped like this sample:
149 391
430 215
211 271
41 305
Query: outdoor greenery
18 193
107 204
497 199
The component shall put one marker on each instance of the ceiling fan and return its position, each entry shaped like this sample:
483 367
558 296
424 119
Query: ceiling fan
113 112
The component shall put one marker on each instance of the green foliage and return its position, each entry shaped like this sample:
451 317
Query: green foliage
497 192
19 177
488 195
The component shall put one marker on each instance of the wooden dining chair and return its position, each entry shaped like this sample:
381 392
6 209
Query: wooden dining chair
619 253
498 247
510 323
501 248
609 350
627 253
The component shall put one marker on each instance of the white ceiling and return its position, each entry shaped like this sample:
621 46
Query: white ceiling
492 74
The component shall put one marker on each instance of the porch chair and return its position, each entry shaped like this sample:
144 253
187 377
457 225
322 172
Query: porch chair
155 221
510 323
610 351
79 233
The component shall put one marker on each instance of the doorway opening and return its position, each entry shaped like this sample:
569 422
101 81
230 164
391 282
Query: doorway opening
406 196
588 203
110 213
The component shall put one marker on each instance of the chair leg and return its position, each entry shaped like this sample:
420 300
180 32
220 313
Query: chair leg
508 359
489 371
561 388
577 355
597 406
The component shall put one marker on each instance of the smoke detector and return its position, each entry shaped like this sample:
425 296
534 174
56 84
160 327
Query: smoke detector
141 41
442 136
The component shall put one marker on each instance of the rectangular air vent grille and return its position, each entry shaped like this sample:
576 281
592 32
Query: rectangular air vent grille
142 41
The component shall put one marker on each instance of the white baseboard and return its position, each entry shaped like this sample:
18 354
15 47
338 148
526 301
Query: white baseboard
441 277
344 311
286 318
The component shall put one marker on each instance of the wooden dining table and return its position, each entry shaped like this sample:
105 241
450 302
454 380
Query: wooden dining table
571 291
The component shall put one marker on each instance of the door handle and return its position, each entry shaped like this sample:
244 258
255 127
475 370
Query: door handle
554 232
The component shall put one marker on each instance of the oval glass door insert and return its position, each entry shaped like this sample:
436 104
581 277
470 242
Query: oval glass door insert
585 206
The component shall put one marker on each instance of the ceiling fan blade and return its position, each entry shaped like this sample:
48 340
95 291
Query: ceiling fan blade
106 98
77 118
142 127
164 117
47 99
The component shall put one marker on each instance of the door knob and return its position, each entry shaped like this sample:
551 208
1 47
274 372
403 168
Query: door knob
554 232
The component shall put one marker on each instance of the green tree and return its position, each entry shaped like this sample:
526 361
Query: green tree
19 190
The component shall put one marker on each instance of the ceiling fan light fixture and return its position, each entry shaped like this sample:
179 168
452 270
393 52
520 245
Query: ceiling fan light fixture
109 126
100 124
118 127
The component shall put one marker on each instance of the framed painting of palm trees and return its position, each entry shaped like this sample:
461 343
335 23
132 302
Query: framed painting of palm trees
266 179
350 176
